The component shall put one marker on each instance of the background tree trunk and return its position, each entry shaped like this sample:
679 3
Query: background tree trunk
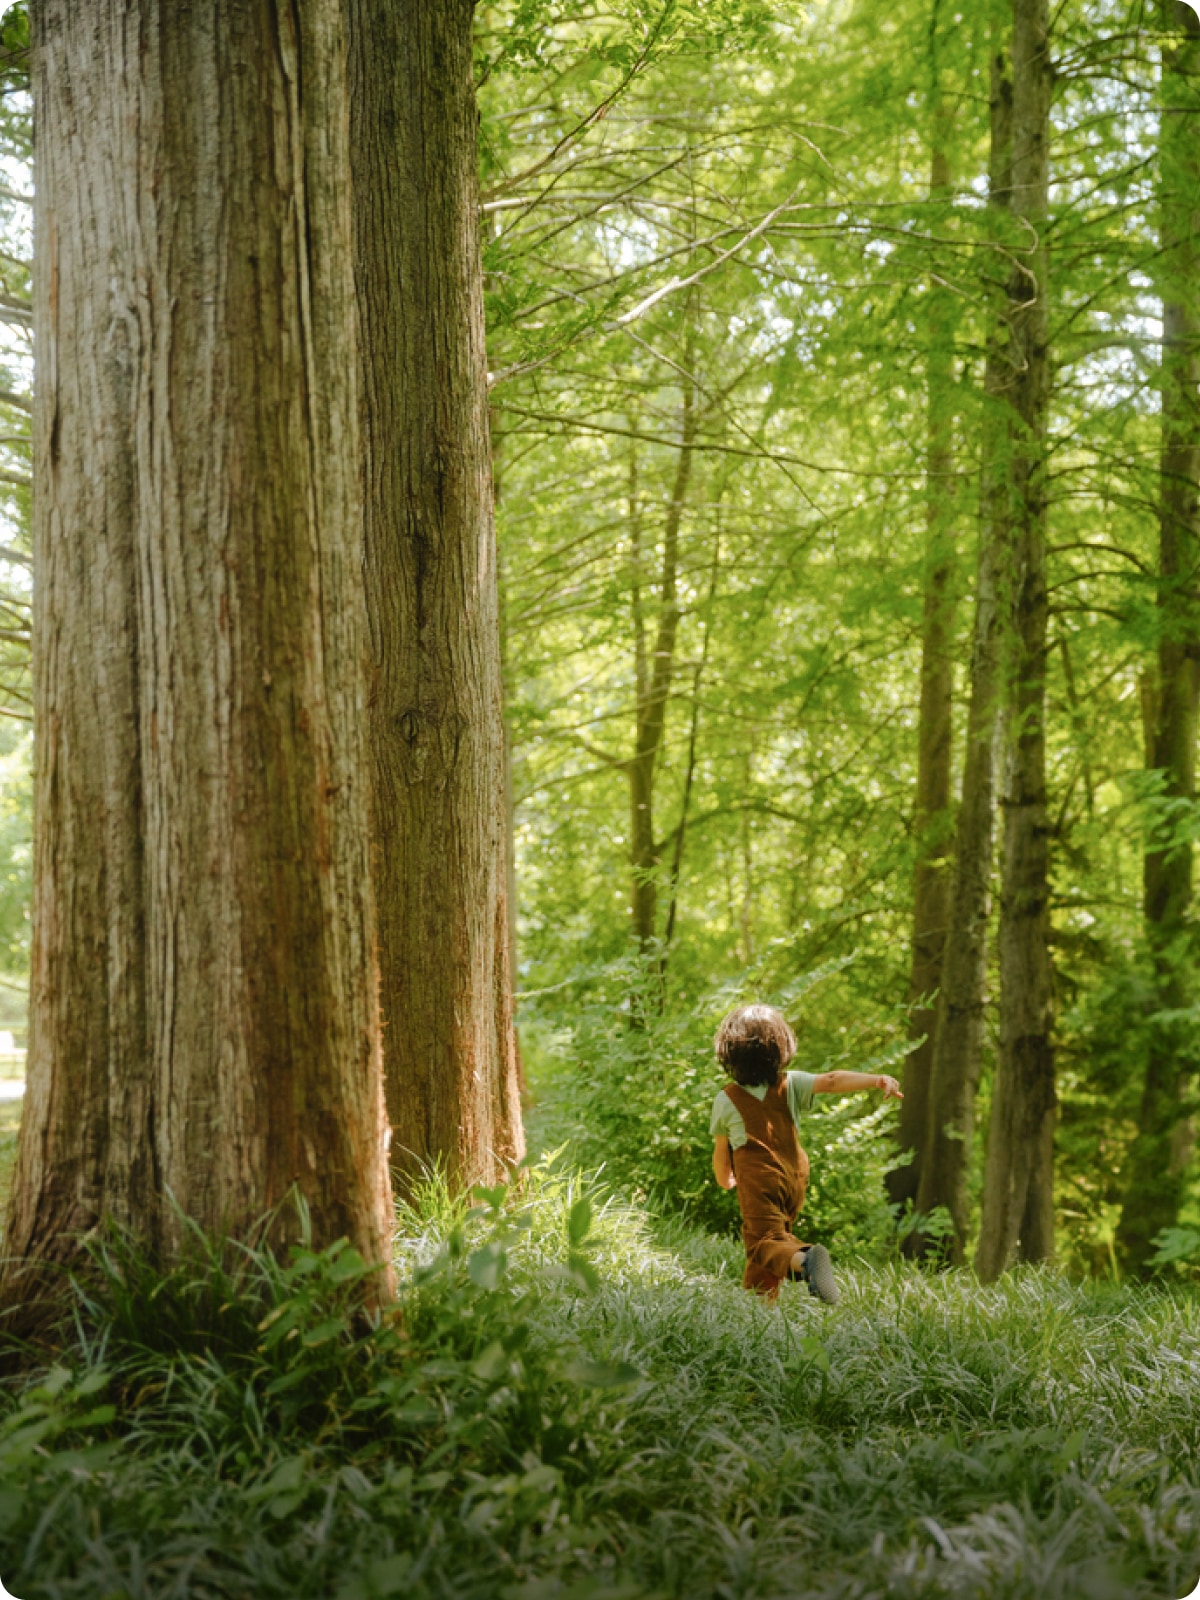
204 1027
958 1053
654 677
436 711
1158 1158
496 437
1018 1200
932 820
679 833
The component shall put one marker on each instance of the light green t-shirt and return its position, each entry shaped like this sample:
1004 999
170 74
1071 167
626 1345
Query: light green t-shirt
727 1119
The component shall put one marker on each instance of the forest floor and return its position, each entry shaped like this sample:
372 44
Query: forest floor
575 1401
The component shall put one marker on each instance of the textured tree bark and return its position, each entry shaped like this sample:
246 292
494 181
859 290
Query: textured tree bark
204 1028
653 687
1018 1214
932 820
436 713
958 1053
1157 1162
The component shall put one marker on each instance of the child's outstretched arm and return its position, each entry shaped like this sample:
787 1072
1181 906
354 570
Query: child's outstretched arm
723 1163
853 1082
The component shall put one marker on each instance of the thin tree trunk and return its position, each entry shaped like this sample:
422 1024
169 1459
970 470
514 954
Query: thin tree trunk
654 678
510 909
690 773
932 815
958 1052
1018 1214
1158 1158
436 711
204 1028
510 806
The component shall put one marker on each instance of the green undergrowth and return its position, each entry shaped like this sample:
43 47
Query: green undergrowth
574 1400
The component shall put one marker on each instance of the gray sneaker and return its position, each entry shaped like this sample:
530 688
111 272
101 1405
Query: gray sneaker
817 1271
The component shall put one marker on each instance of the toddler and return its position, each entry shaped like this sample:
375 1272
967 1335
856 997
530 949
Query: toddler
757 1148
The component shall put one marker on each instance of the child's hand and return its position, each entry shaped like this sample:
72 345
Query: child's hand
891 1089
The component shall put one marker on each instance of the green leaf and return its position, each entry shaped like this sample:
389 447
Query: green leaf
97 1379
383 1578
1176 1244
324 1331
278 1321
349 1264
486 1266
541 1477
492 1363
580 1221
418 1413
55 1381
602 1374
814 1352
287 1477
288 1380
389 1576
583 1273
100 1417
11 1502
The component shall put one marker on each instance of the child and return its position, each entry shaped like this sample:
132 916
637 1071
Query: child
757 1149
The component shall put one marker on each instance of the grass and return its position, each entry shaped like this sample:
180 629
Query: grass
578 1401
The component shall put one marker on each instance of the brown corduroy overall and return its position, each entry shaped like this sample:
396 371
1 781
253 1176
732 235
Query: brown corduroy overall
771 1169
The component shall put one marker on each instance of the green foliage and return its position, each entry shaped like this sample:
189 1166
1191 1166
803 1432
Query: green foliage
784 787
510 1433
630 35
14 47
1179 1248
16 848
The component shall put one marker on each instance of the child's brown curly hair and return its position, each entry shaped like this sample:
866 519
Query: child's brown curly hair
756 1044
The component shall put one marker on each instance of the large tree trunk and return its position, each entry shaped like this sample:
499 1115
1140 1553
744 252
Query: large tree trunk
436 713
932 815
1018 1213
204 1027
958 1053
1158 1158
